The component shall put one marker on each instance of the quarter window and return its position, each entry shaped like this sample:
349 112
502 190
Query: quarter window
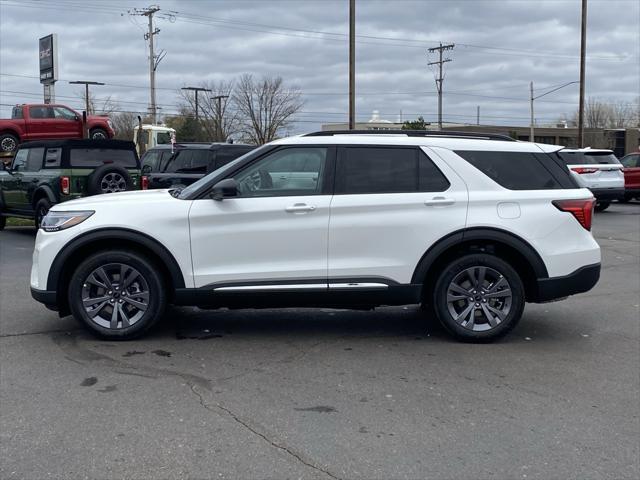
286 172
512 170
363 170
93 157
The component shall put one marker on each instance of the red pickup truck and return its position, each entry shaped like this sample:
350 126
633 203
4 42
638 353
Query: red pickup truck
48 122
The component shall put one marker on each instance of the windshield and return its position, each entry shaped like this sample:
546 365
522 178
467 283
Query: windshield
194 187
583 158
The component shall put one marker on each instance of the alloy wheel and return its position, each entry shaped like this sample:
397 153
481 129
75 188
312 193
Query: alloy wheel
479 298
113 182
8 145
115 296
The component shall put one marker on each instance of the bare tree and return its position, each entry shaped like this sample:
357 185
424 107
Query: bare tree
218 120
600 114
265 107
123 124
100 106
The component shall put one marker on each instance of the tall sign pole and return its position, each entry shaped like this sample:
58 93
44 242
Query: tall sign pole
583 49
48 52
352 64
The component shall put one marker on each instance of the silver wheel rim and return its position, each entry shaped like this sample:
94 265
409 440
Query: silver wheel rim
113 182
479 298
8 144
115 296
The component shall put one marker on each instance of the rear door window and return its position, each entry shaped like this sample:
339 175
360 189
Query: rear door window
513 170
93 157
34 160
362 170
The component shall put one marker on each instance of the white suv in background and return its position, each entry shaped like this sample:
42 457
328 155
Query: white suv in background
471 225
599 170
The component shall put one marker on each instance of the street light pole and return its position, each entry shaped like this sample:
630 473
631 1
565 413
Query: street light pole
86 84
532 98
219 98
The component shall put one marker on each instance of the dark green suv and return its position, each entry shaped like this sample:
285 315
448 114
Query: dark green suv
49 172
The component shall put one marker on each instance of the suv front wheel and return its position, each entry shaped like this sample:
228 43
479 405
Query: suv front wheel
479 298
119 295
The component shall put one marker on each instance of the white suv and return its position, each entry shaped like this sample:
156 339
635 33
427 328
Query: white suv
470 225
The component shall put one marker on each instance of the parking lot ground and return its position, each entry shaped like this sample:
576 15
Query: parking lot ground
327 393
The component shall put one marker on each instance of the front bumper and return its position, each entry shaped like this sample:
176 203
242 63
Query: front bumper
582 280
48 297
606 194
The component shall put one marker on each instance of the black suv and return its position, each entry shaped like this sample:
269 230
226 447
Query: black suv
48 172
180 166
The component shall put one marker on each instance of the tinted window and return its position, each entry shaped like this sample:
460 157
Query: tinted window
52 158
513 170
39 112
225 155
583 158
387 170
189 161
34 160
290 171
631 161
93 157
151 160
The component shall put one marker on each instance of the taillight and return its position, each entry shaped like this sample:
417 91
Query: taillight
584 170
144 182
65 185
581 209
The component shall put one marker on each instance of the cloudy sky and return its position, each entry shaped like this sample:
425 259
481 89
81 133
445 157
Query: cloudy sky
501 46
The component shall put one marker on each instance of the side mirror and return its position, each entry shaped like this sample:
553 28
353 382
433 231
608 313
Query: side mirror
146 169
224 188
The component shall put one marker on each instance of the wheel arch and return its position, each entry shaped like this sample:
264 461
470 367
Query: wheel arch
506 245
76 251
44 191
10 131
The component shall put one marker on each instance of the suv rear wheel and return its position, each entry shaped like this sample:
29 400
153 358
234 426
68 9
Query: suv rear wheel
118 294
479 298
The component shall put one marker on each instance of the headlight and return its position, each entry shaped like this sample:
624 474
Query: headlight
56 221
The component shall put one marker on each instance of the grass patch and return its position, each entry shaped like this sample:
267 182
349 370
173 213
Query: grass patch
19 222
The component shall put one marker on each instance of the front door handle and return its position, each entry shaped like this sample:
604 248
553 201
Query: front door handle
300 208
439 202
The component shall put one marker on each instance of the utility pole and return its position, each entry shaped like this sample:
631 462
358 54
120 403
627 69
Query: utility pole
196 90
583 50
532 98
154 60
352 64
440 78
531 135
219 98
85 132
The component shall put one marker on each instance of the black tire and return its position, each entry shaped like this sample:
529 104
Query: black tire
41 209
625 199
109 179
98 134
601 206
145 277
499 275
3 222
8 142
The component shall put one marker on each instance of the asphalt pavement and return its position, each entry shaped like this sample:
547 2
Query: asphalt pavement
327 393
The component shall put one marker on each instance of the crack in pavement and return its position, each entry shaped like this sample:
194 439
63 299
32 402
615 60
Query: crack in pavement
271 442
44 332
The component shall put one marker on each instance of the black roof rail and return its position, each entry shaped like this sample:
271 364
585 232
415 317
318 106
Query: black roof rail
415 133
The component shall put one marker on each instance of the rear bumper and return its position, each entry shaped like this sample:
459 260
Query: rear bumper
608 193
582 280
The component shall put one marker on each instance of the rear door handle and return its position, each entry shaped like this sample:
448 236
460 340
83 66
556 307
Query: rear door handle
300 208
439 202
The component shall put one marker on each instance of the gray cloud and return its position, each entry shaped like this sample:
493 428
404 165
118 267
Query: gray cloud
539 42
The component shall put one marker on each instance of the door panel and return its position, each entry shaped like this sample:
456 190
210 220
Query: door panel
244 239
386 234
271 231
